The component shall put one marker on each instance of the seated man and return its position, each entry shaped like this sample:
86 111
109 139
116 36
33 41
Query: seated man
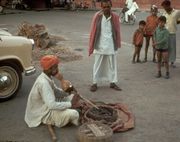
42 106
131 11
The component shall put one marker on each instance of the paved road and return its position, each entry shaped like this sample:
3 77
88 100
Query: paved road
154 102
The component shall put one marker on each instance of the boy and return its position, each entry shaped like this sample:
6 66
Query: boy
138 40
161 38
151 25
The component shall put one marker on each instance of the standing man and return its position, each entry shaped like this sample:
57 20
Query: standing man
173 18
104 43
42 106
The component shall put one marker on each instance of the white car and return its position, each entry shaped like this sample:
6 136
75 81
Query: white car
15 59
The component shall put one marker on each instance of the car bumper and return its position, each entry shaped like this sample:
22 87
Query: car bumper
30 71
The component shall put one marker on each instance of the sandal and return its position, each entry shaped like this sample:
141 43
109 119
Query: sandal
154 61
158 74
139 61
93 88
145 60
115 87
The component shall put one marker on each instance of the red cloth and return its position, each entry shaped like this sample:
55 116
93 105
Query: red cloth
151 24
124 122
48 61
138 37
94 28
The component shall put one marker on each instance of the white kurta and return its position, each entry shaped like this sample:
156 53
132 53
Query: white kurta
129 3
172 19
105 66
42 106
106 44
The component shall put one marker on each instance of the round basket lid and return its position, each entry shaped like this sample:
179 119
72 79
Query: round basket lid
94 132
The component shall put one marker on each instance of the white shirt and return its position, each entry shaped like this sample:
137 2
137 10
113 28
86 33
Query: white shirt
129 3
106 44
171 23
41 100
133 8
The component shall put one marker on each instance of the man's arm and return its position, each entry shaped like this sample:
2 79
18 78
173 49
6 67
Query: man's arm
134 37
65 84
59 76
48 97
178 17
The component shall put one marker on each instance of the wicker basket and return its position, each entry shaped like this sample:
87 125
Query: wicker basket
95 132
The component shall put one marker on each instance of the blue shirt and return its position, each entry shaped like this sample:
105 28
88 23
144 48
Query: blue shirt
161 37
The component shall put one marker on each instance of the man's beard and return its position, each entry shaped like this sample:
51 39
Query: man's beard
107 13
54 73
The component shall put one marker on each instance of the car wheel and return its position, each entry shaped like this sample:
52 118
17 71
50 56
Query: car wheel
10 81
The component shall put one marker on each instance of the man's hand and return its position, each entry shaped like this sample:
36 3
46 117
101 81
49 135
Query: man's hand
65 84
59 76
75 101
155 44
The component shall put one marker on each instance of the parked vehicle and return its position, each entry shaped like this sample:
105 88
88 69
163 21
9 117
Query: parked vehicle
15 60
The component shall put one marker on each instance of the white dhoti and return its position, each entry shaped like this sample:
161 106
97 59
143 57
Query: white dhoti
105 68
60 118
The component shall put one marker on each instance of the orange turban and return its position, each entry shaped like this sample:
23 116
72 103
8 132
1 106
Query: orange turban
48 61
